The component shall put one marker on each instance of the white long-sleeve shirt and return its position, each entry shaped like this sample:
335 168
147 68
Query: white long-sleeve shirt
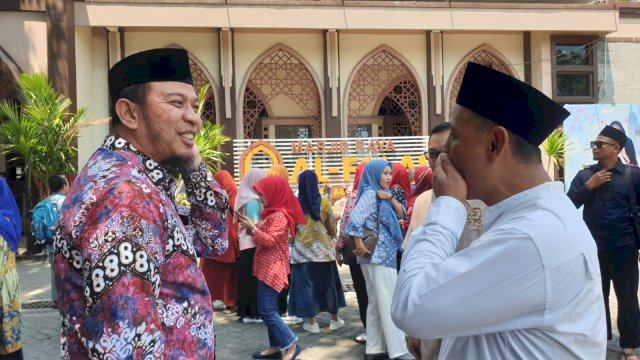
528 288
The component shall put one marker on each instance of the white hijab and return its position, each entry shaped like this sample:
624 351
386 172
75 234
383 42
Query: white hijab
245 191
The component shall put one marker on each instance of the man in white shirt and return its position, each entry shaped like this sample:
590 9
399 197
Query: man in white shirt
529 287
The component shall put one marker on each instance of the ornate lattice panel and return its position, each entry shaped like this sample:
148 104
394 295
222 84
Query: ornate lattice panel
252 108
199 80
401 127
389 107
482 57
8 84
393 112
407 96
376 75
281 73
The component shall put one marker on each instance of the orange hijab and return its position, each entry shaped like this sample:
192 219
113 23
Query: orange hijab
279 170
224 178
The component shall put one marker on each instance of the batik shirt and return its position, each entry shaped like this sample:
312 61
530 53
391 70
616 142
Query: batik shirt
125 265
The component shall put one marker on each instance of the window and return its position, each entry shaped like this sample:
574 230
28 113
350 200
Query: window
293 131
574 65
363 131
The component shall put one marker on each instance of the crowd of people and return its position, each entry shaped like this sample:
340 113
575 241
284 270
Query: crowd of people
476 256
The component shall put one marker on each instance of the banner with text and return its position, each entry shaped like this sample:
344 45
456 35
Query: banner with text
333 159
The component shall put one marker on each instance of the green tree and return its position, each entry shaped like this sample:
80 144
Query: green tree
40 130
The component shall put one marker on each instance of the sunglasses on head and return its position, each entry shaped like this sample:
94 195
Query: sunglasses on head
598 144
432 154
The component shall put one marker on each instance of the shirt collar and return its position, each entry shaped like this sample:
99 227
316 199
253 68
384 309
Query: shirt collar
619 166
160 176
511 204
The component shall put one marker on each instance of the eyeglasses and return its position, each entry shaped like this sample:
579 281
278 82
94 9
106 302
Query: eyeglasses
432 154
598 144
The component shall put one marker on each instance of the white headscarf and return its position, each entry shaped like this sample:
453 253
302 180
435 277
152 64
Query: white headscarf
245 191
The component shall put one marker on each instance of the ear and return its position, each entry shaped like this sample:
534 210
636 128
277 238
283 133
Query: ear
499 142
128 112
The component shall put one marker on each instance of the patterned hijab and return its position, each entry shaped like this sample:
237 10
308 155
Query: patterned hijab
400 178
10 227
246 192
280 198
279 170
308 194
370 180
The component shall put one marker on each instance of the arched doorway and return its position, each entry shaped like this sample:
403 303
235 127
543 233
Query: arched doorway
281 97
483 55
384 97
200 79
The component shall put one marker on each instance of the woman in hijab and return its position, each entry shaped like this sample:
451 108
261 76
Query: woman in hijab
315 282
375 210
10 313
279 170
628 152
350 259
248 204
279 217
221 272
422 176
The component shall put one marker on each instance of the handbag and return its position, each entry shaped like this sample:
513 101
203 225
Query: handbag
369 238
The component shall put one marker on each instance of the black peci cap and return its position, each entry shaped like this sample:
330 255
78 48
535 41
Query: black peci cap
150 65
615 134
509 102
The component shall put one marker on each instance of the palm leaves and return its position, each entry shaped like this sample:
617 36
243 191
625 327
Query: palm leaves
40 130
210 137
556 145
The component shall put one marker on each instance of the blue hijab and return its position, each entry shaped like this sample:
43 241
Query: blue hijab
308 194
10 227
370 180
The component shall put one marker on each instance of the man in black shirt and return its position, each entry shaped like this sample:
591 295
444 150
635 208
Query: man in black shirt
604 191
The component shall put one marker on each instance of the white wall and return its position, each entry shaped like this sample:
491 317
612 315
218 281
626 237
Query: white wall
203 44
23 35
92 88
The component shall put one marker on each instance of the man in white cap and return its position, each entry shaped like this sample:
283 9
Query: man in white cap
529 287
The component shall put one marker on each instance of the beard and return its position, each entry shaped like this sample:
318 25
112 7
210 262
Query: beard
180 164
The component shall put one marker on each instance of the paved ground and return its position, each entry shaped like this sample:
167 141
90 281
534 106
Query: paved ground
235 340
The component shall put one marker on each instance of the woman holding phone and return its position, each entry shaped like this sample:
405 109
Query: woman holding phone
279 216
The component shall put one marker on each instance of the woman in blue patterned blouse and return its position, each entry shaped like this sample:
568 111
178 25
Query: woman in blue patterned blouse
377 209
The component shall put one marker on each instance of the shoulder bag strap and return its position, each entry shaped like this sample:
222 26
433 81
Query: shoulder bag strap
633 206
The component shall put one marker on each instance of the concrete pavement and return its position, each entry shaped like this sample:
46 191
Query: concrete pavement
235 340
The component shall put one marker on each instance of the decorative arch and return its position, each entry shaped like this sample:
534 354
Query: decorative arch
9 73
380 74
282 71
201 77
484 55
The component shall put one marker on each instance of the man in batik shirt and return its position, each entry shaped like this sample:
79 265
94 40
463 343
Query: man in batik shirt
125 265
